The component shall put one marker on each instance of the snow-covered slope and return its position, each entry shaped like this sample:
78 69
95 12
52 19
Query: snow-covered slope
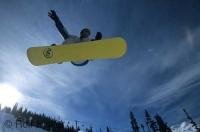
183 127
8 124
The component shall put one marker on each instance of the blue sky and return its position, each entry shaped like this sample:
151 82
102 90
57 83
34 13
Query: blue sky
160 71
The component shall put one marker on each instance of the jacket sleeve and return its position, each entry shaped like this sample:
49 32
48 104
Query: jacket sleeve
61 29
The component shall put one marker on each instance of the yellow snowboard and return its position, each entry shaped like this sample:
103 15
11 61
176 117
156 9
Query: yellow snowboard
100 49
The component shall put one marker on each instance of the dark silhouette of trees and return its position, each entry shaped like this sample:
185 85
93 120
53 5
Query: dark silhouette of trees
32 119
162 125
142 126
134 124
194 124
108 129
26 118
14 109
6 109
89 129
154 124
151 124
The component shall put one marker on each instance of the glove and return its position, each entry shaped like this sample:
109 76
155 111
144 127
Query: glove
52 14
98 36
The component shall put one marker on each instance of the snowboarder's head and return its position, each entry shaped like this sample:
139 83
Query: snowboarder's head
85 33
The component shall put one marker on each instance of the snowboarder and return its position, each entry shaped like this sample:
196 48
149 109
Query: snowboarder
68 38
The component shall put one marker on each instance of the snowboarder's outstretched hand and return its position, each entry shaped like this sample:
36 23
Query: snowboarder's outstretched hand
52 14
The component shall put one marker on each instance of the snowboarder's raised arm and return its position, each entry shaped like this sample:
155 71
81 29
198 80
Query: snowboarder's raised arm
52 14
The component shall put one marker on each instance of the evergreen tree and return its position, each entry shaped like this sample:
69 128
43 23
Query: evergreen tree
89 129
40 120
134 124
25 111
14 109
7 109
162 125
194 124
100 130
107 129
19 111
151 124
142 126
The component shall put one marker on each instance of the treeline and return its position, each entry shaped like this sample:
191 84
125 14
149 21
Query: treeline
26 118
156 123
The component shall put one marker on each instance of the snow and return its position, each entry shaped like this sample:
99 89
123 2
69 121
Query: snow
8 124
183 127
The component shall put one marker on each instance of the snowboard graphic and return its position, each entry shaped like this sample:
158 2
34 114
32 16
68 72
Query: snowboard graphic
92 50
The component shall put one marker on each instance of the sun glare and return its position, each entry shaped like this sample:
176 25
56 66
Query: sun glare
9 95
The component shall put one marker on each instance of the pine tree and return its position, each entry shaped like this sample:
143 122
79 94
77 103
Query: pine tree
162 125
194 124
151 124
7 109
142 126
20 110
107 129
100 130
14 109
89 130
25 111
134 124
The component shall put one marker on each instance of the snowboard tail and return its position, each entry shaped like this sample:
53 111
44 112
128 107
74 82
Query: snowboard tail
100 49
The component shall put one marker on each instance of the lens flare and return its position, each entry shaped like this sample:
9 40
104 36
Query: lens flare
9 95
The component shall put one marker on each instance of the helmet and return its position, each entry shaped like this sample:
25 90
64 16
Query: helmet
85 33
